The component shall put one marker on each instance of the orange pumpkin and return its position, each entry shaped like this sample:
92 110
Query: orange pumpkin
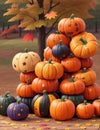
39 85
71 63
54 38
96 104
92 92
49 70
71 26
87 75
85 110
84 45
72 86
62 109
25 90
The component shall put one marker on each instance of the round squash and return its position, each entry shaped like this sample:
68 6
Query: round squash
85 110
39 85
96 104
62 109
25 61
41 103
49 70
71 26
84 45
72 86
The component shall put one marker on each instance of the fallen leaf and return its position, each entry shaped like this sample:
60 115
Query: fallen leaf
51 14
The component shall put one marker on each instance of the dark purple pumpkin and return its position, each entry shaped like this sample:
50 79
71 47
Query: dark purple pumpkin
17 111
60 50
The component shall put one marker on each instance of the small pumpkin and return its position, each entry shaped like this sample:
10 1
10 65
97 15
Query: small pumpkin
96 104
60 51
41 103
5 100
72 86
76 99
24 77
71 63
49 70
85 110
27 101
25 90
62 109
17 111
87 62
84 45
92 92
25 61
71 26
39 85
54 38
87 75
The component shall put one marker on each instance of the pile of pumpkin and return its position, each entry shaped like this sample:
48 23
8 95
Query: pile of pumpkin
63 84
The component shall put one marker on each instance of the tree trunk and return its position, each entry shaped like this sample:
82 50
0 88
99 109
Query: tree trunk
41 41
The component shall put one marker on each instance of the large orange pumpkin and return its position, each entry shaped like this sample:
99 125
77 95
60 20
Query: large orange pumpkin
96 104
39 85
49 70
87 75
84 45
62 109
72 86
71 26
54 38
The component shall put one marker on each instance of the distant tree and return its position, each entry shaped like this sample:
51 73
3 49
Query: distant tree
44 15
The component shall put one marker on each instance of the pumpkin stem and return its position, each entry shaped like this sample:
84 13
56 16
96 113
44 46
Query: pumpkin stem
44 92
72 79
85 102
50 61
72 16
26 50
28 81
57 32
18 101
83 41
71 56
6 94
84 70
62 98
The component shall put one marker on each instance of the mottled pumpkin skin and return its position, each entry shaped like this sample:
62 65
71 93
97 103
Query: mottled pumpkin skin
62 110
87 75
96 104
54 38
72 87
85 110
25 61
5 100
92 92
49 70
41 104
71 26
39 85
25 90
17 111
84 45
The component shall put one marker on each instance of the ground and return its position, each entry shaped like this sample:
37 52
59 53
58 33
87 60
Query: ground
9 80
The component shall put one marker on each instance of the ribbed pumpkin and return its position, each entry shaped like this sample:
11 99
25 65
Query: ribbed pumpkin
39 85
92 92
87 62
54 38
25 90
49 70
71 26
85 110
5 100
41 103
96 104
60 51
84 45
87 75
24 77
48 54
71 63
25 61
62 109
72 86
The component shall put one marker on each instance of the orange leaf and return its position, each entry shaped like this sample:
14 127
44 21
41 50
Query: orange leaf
51 14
